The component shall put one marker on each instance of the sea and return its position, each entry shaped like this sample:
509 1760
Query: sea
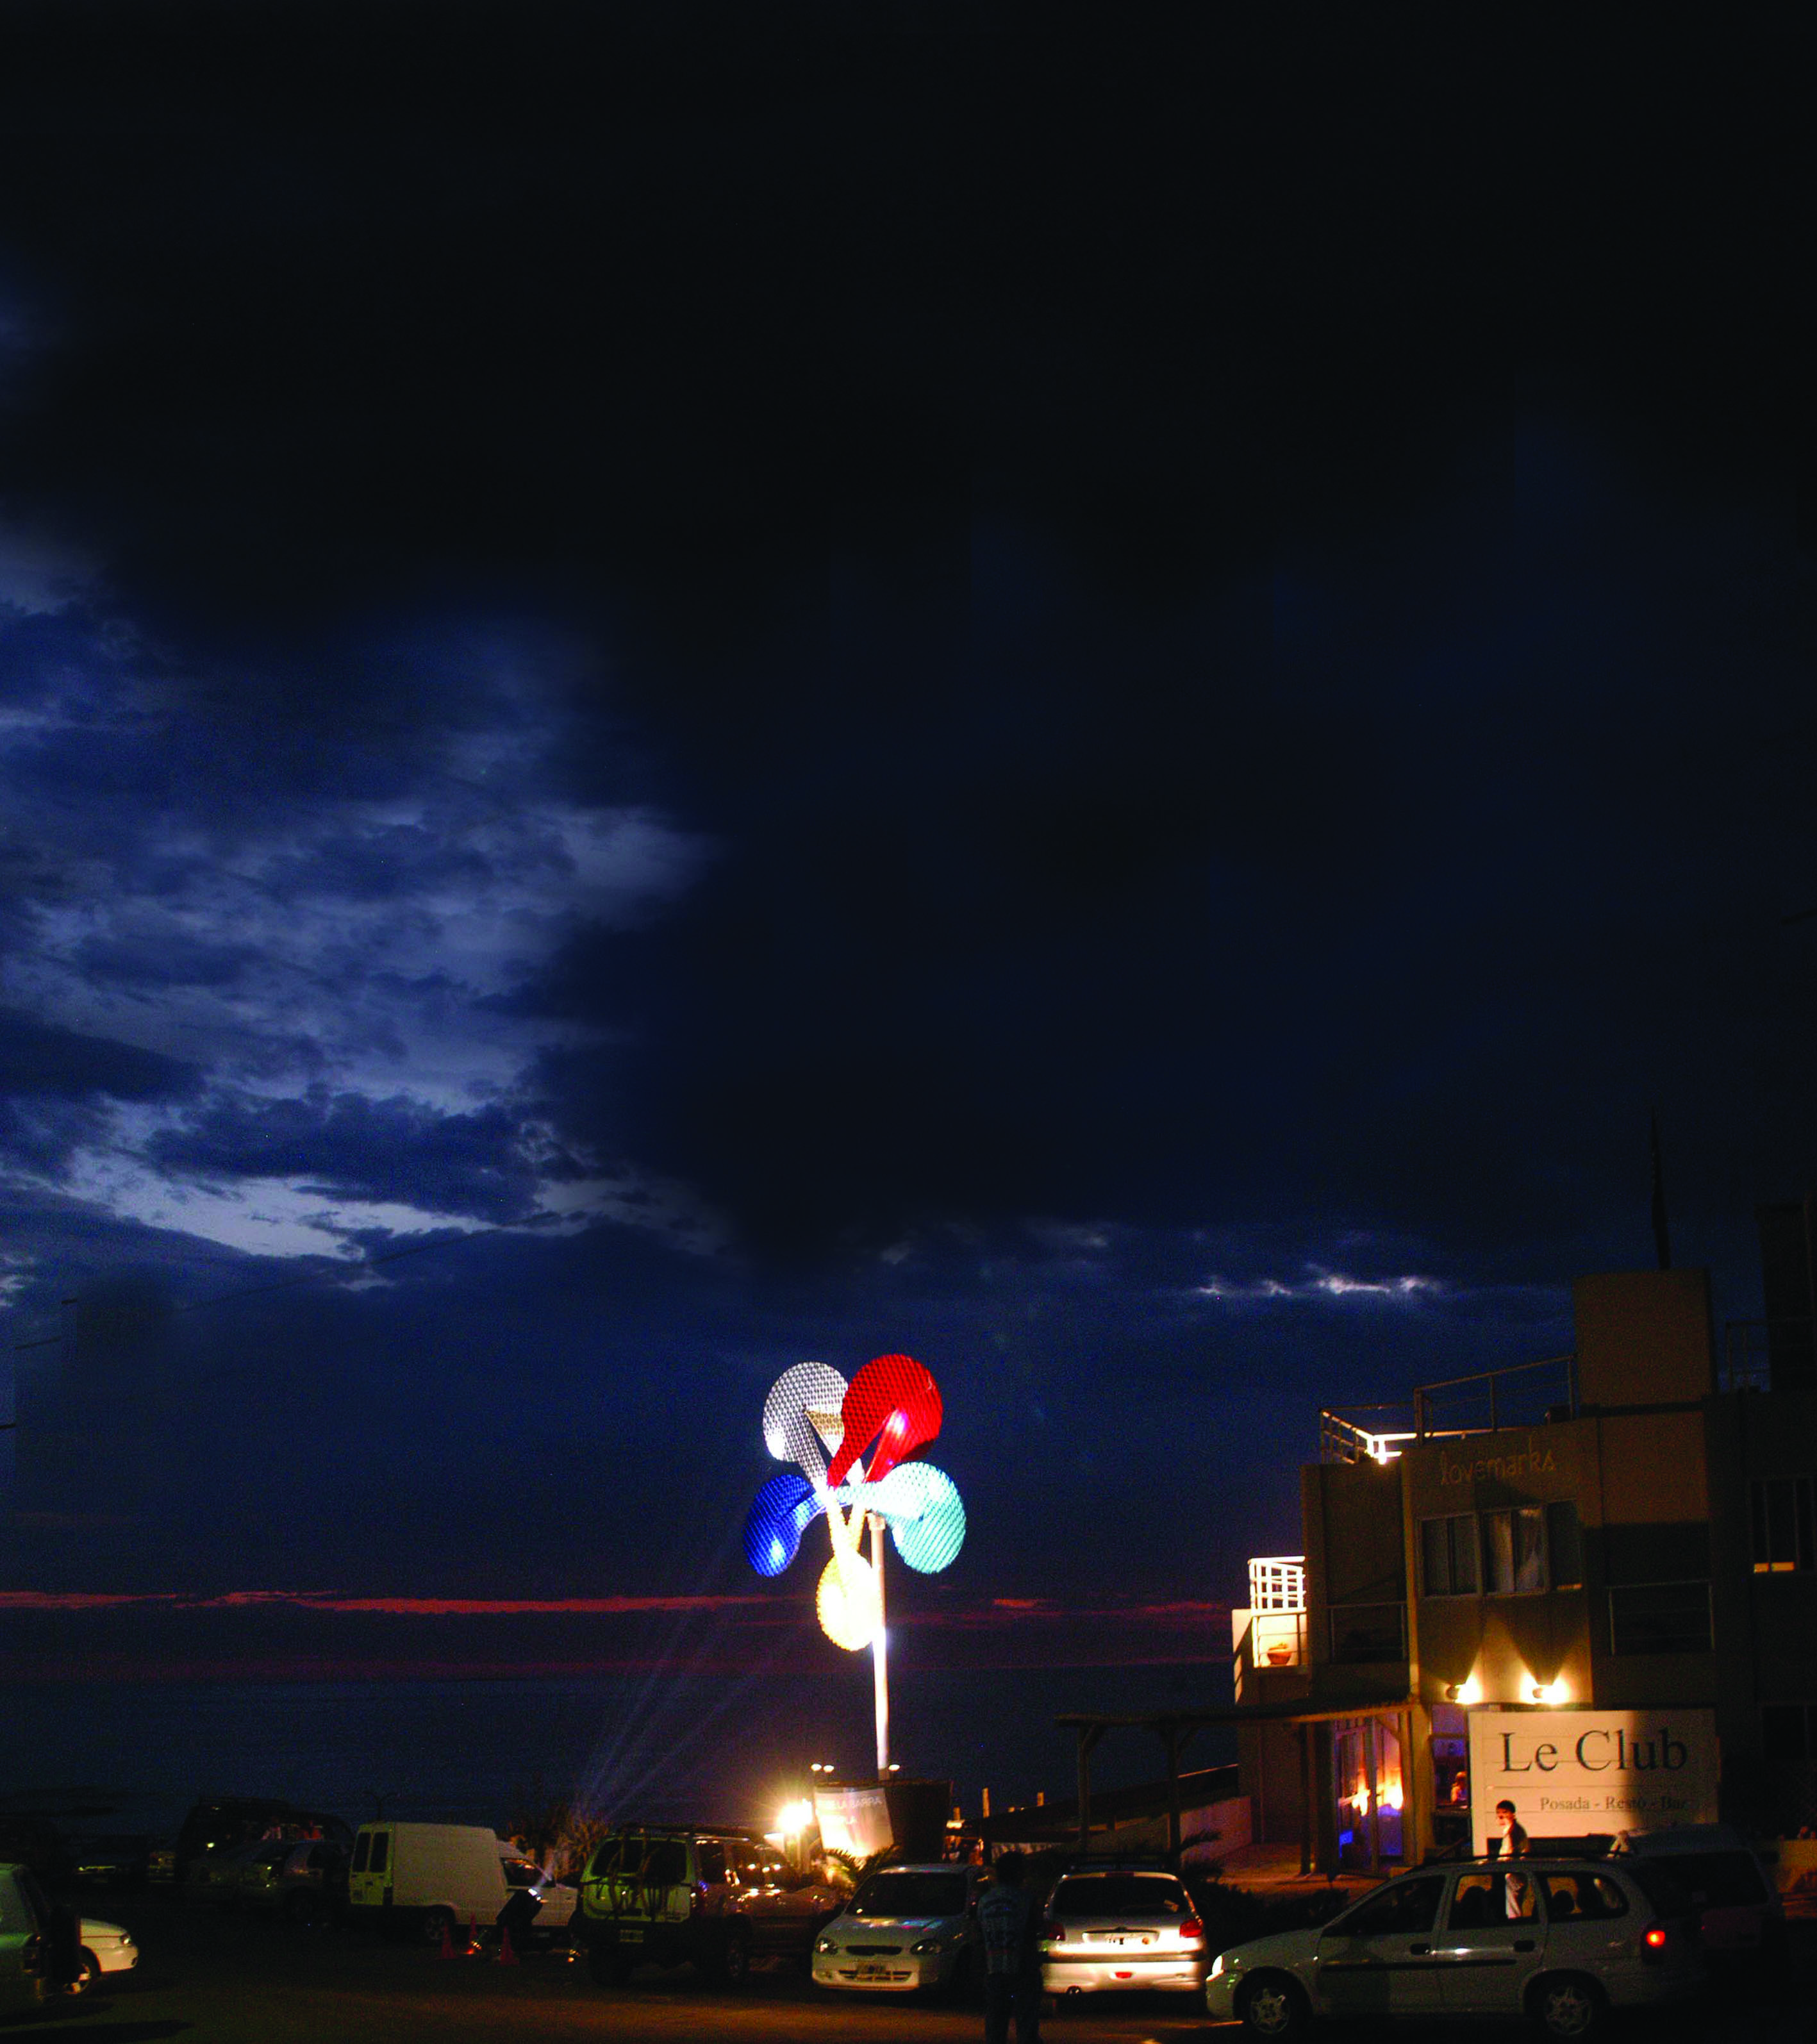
666 1745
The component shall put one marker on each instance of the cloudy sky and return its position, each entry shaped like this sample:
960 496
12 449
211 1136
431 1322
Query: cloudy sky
685 688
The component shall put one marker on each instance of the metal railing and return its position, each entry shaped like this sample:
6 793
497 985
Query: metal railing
1749 1347
1278 1582
1354 1433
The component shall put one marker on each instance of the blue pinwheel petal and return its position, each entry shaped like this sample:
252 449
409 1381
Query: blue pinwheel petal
774 1524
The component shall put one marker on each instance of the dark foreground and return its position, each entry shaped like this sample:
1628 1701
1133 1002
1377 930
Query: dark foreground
209 1979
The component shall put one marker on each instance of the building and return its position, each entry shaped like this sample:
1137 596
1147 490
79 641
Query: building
1588 1583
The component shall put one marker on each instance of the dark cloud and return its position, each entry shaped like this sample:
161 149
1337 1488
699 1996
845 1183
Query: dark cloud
347 1146
39 1060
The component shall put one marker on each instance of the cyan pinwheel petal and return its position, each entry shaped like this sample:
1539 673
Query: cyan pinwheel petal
927 1520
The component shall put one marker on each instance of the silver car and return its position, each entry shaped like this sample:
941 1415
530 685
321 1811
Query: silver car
1560 1942
1121 1927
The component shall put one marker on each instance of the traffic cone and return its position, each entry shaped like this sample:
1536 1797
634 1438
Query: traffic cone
506 1957
445 1950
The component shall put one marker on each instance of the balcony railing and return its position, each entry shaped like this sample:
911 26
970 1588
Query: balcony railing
1751 1348
1278 1582
1451 1407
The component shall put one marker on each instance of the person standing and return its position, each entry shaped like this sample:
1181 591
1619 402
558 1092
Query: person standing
1010 1927
1513 1831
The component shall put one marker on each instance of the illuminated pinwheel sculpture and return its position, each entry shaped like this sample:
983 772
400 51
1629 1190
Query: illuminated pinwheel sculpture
888 1410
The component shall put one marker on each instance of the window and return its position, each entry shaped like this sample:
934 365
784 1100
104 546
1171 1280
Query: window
711 1856
1591 1898
1369 1632
380 1852
1448 1555
1783 1540
899 1897
1660 1618
1514 1551
1788 1731
362 1846
1403 1905
1564 1547
667 1865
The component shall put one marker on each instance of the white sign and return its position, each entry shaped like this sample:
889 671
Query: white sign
1568 1772
854 1821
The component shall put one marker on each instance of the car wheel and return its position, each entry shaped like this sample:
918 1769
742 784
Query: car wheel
437 1924
1568 2007
734 1967
87 1973
1273 2006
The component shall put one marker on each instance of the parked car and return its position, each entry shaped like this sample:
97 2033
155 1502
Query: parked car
556 1899
425 1880
668 1895
1740 1913
105 1949
219 1825
1560 1942
40 1942
1110 1928
908 1928
116 1860
306 1880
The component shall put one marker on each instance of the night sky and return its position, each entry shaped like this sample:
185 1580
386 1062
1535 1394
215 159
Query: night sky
683 687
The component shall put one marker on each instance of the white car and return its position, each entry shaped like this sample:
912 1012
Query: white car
907 1928
1561 1941
105 1949
1106 1929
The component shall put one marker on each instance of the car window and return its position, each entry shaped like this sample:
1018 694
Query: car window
1589 1898
711 1855
1661 1885
1119 1895
667 1866
1403 1905
1719 1879
14 1918
520 1873
380 1852
362 1846
911 1895
1482 1899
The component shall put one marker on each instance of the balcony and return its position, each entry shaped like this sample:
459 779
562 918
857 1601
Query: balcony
1523 1394
1268 1640
1758 1353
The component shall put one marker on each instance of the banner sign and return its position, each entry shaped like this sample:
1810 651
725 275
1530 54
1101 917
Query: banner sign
853 1821
1568 1772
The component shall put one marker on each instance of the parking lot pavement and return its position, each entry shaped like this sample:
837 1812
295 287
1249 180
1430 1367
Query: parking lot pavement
207 1978
210 1978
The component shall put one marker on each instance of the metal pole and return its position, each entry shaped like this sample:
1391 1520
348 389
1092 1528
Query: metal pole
880 1650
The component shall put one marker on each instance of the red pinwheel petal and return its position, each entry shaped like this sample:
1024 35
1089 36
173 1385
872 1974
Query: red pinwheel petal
893 1397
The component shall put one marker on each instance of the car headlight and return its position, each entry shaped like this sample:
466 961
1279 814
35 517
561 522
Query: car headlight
1217 1967
826 1945
927 1945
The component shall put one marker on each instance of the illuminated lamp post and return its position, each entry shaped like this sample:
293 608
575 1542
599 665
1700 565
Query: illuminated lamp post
888 1410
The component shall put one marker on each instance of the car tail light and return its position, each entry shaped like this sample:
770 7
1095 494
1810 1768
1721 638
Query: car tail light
1192 1931
1653 1940
1053 1933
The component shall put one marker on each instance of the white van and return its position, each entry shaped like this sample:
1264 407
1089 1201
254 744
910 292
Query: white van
424 1879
